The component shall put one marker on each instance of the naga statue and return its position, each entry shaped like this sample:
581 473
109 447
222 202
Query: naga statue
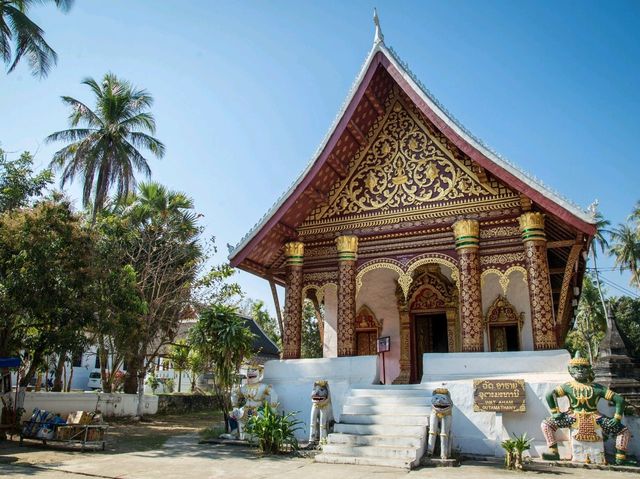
248 400
588 426
321 412
440 422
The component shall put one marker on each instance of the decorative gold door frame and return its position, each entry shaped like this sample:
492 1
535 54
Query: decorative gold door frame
446 300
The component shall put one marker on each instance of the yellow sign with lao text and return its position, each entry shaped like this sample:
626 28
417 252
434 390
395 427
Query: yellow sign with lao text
499 395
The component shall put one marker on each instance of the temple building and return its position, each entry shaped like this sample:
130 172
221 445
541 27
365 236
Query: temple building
405 225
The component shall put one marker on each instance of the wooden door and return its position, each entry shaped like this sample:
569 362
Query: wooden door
366 342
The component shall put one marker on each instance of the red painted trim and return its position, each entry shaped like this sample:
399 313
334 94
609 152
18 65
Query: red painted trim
511 180
319 163
499 172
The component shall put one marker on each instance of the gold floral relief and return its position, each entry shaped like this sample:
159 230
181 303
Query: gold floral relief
403 167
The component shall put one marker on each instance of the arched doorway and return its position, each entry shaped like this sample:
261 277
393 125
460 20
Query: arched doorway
367 331
432 306
504 325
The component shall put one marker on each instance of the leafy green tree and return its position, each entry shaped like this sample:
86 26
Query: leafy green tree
215 286
257 310
104 142
311 344
18 182
600 242
119 303
626 312
164 251
45 281
196 366
590 324
179 356
16 27
626 249
222 337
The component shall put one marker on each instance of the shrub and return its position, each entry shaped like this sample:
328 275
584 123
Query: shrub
275 432
514 449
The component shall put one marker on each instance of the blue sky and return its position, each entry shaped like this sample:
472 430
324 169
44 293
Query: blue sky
245 91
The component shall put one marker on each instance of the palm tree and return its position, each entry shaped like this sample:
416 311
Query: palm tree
16 27
626 248
155 204
635 215
104 151
599 241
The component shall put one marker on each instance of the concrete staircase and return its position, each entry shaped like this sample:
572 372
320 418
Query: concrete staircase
380 426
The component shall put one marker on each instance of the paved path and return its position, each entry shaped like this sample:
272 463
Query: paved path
182 458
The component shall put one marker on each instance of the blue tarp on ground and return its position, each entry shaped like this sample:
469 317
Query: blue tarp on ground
9 362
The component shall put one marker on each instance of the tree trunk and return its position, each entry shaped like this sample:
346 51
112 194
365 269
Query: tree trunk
57 381
130 383
141 375
179 380
104 377
68 388
38 382
33 367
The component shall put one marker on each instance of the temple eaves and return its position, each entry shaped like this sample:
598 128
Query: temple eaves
379 47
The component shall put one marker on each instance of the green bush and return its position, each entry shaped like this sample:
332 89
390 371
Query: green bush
275 432
514 448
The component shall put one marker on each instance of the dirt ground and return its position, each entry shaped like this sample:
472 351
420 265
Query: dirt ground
123 436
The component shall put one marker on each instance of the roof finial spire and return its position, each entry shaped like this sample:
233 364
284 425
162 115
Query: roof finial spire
379 38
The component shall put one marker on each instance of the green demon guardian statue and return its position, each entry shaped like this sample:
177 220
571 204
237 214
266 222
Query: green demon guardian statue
588 426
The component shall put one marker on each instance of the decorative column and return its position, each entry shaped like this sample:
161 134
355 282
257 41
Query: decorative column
405 344
467 235
347 255
535 253
292 321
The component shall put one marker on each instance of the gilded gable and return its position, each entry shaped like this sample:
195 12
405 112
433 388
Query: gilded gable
404 167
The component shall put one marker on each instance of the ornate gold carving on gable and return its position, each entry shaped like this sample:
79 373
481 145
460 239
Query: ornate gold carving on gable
404 165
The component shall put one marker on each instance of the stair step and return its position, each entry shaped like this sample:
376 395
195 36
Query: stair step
394 401
364 460
385 409
374 440
371 451
391 419
374 392
381 429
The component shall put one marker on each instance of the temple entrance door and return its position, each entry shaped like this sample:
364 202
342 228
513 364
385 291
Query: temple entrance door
366 342
429 336
504 338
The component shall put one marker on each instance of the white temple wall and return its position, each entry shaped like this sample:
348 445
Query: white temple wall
292 380
518 296
330 339
482 432
378 292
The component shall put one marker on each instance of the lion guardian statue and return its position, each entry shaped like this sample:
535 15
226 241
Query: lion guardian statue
440 423
321 412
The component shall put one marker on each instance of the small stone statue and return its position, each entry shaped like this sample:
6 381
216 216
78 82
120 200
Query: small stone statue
321 412
588 426
248 399
440 422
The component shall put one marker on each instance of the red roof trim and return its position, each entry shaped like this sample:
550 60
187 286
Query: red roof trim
502 174
381 59
322 159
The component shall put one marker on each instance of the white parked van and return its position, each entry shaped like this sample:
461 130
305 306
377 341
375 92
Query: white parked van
95 381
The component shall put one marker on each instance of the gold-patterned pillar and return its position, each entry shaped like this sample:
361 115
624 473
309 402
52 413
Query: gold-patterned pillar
535 253
405 345
347 255
292 335
467 235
